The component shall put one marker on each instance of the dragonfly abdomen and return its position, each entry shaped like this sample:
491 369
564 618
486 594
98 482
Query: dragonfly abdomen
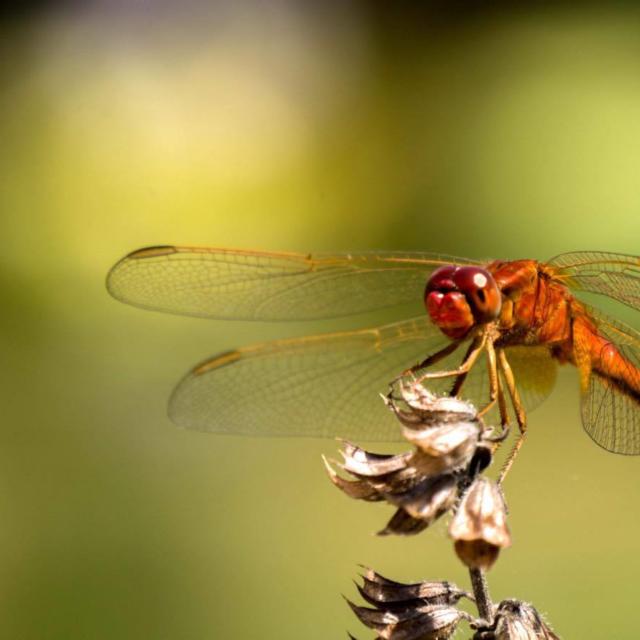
595 353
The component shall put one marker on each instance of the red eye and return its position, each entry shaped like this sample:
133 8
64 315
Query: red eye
481 291
476 284
442 279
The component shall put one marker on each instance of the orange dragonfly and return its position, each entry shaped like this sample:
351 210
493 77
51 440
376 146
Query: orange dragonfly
525 316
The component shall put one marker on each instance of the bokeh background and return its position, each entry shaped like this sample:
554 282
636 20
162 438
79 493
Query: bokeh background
503 132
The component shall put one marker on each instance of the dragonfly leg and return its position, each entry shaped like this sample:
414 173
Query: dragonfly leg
456 388
521 416
492 369
504 413
432 359
427 362
474 351
496 394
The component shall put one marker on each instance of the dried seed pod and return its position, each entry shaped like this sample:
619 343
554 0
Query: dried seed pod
363 463
426 622
479 527
450 450
428 499
415 406
517 620
380 591
443 448
420 499
357 489
402 524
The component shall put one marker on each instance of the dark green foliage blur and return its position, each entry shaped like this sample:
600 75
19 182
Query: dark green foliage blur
284 126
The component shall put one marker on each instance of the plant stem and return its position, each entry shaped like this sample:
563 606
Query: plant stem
481 593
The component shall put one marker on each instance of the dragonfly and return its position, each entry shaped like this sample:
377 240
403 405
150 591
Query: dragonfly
525 316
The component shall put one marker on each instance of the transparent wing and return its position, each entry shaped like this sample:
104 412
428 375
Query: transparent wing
318 386
615 275
610 408
535 373
254 285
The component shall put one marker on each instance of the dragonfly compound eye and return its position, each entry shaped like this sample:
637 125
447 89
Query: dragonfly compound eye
447 305
457 298
481 292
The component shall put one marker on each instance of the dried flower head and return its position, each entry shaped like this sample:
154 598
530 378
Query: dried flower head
378 590
420 611
516 620
416 406
428 611
452 446
479 527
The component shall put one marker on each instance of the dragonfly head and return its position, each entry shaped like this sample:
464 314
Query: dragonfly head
459 298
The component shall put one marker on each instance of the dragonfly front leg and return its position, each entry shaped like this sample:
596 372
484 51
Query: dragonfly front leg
521 416
456 388
474 351
427 362
432 359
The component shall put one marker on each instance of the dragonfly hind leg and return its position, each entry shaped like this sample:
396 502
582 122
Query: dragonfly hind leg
496 394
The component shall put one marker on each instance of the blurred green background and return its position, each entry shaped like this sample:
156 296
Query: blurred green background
287 126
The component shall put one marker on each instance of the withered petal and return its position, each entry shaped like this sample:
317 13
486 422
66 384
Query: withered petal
479 526
358 489
444 449
481 515
426 408
516 620
476 554
374 576
402 524
441 624
429 499
381 616
442 440
394 483
433 623
403 606
376 618
425 592
399 606
364 463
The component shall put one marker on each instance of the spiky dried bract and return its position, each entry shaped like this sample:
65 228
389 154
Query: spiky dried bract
419 611
442 448
451 447
479 526
378 590
516 620
428 499
360 462
427 622
414 405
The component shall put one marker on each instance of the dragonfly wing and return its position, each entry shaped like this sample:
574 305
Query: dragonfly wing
325 385
611 411
317 386
535 373
254 285
614 275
